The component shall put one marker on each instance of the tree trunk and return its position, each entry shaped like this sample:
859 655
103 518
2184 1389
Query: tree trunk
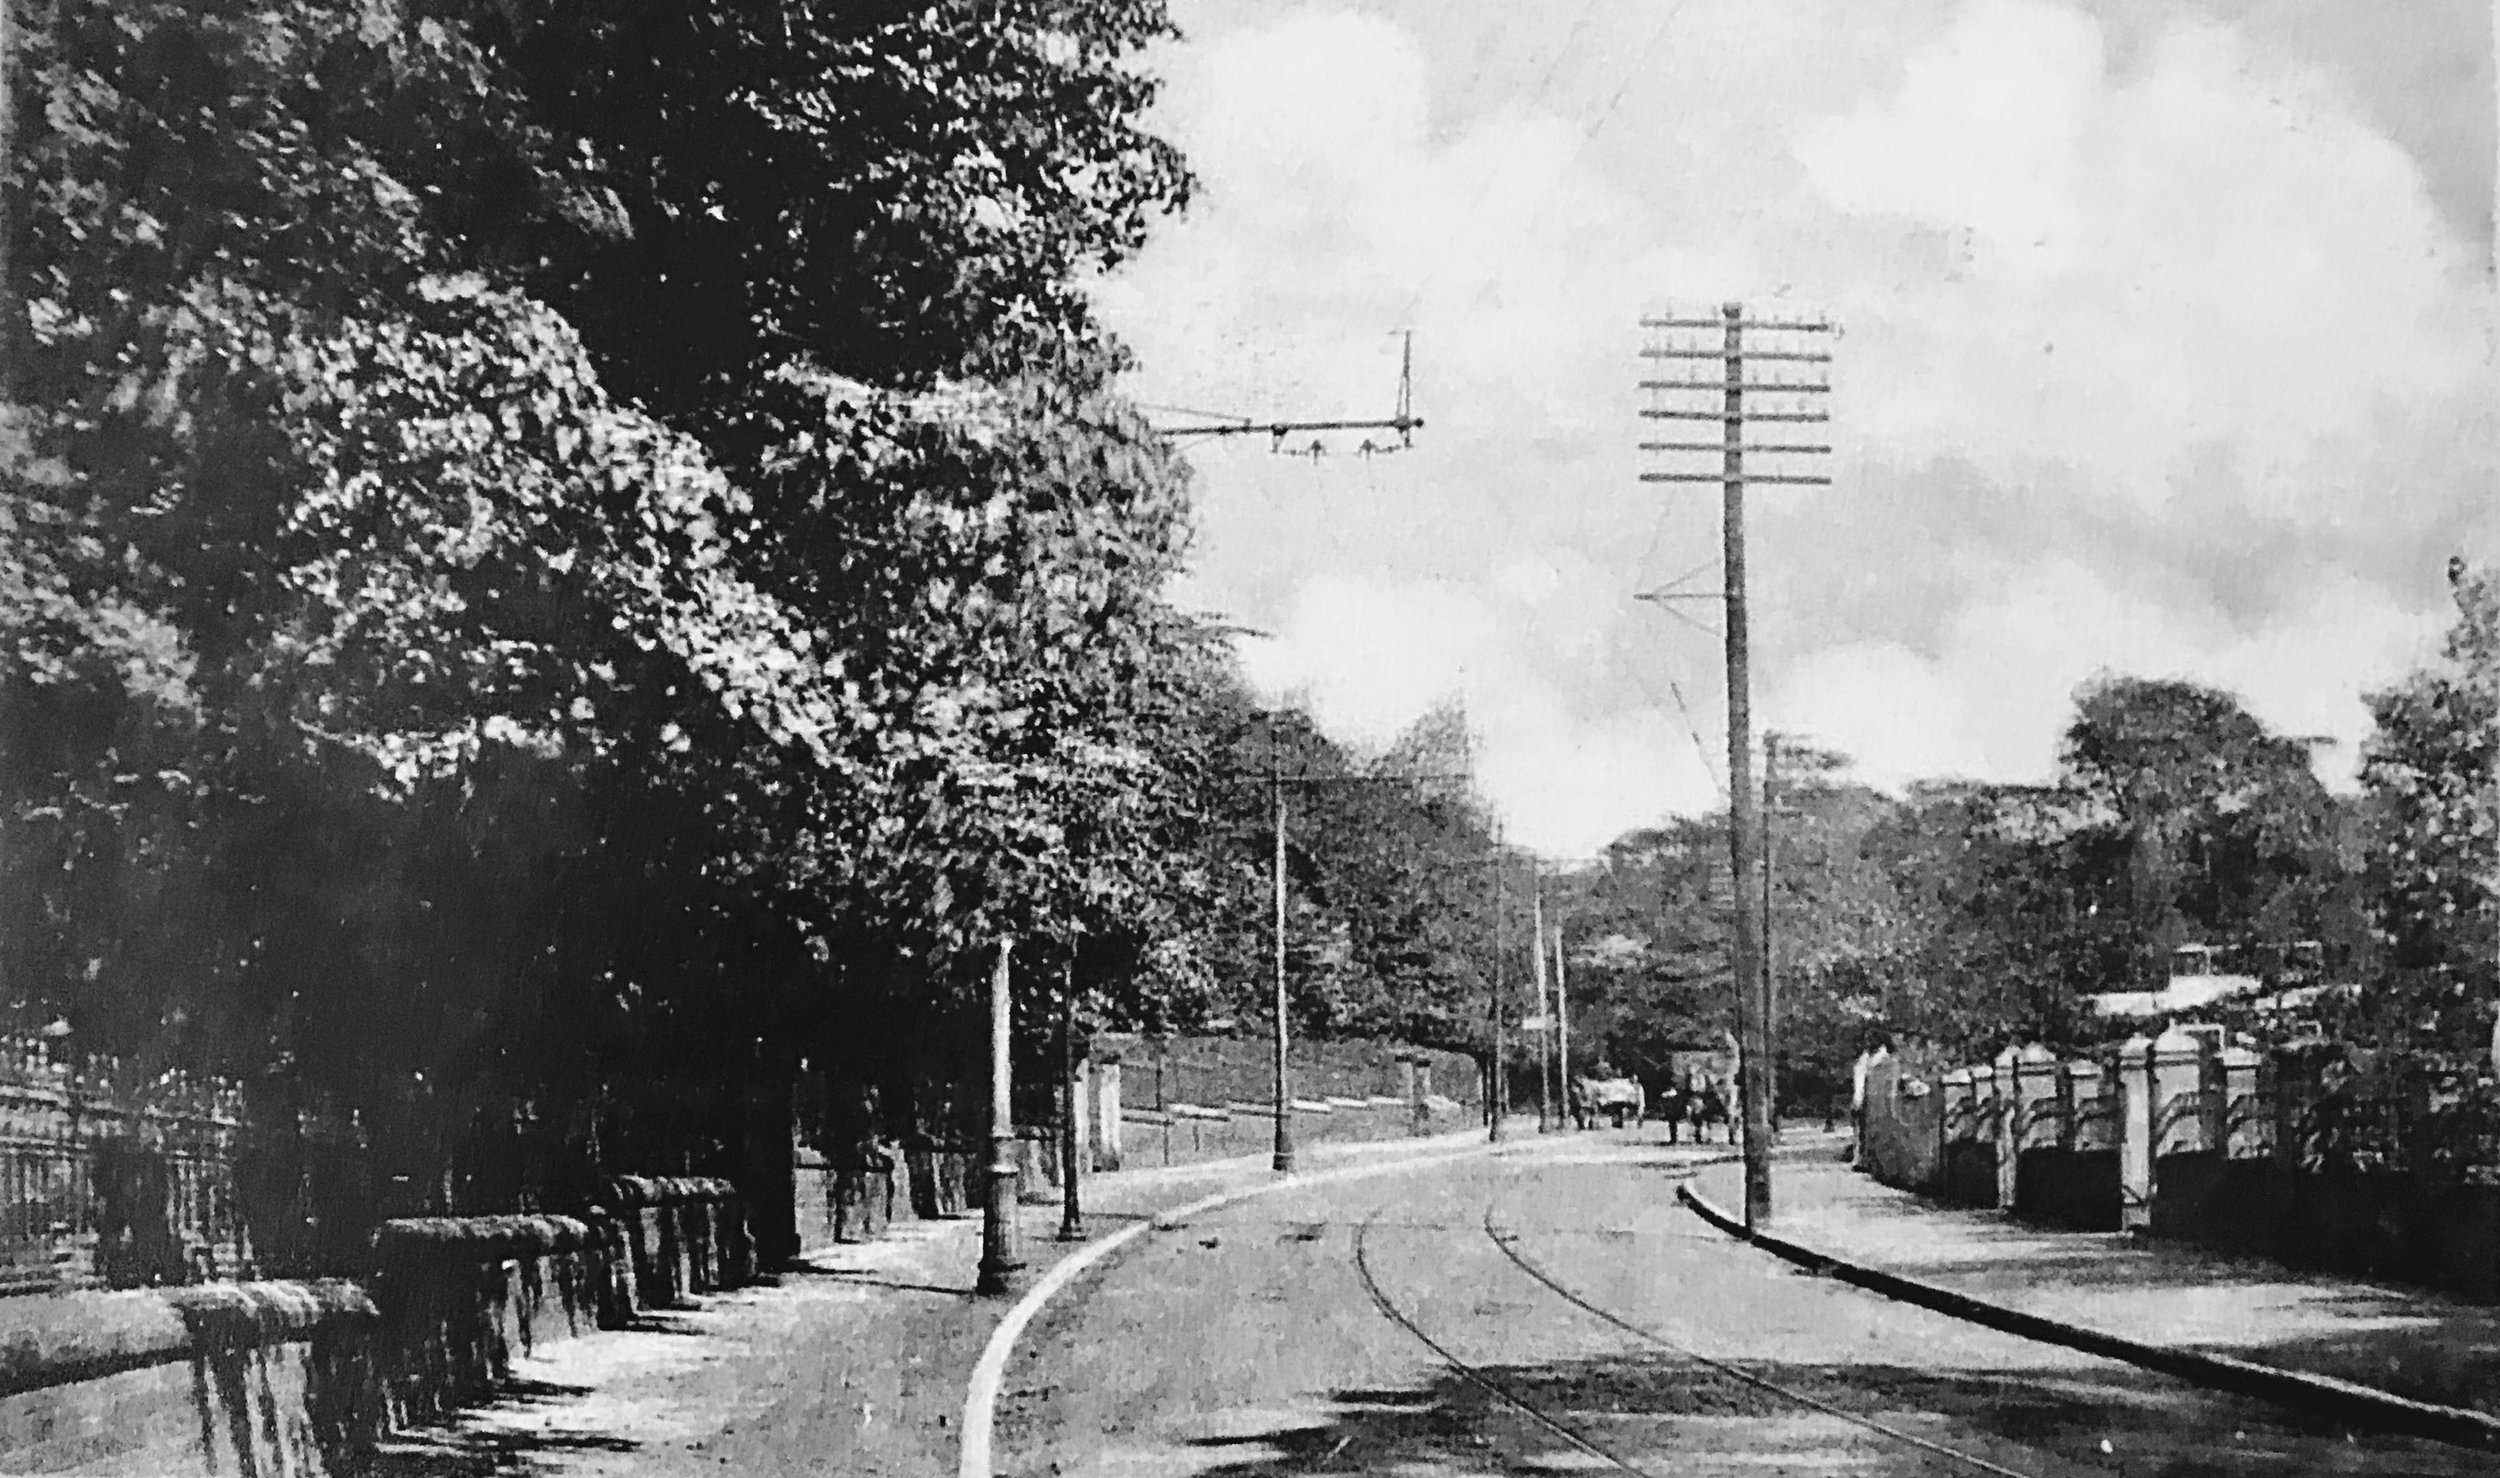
770 1185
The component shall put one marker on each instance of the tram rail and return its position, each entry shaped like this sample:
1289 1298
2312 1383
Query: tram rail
1579 1437
1733 1371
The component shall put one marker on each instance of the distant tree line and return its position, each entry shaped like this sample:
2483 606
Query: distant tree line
1970 916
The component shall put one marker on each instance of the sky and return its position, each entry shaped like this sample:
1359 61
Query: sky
2166 349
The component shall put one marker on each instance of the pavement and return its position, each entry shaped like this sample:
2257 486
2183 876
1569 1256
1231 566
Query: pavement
855 1362
2412 1344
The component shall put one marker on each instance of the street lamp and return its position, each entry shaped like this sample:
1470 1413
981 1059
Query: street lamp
1001 1259
1071 1139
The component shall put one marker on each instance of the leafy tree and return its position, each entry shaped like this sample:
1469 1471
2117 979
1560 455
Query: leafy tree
1649 946
2432 770
511 506
1993 937
2213 828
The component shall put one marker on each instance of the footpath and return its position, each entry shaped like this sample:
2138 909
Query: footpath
855 1362
2414 1346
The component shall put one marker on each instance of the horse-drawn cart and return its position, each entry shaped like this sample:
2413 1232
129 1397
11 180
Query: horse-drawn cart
1622 1100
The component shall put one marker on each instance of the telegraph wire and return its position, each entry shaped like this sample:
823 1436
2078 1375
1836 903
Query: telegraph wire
1553 65
1647 50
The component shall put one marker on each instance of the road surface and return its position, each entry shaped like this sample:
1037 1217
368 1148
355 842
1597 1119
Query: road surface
1555 1311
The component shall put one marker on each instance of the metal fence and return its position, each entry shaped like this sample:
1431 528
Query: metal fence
2427 1114
110 1178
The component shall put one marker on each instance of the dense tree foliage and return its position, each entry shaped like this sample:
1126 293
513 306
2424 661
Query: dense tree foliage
547 545
2433 772
559 560
1971 916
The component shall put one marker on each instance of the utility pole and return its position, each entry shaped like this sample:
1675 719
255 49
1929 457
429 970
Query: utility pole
1276 780
1071 1138
1544 1010
1791 401
1496 1088
1562 1023
1283 1162
1001 1259
1770 967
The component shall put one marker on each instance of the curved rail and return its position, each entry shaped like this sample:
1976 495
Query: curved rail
1506 1242
1469 1373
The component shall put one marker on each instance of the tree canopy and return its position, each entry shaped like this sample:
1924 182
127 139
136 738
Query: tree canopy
545 540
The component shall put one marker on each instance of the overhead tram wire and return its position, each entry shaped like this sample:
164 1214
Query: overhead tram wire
1553 64
1403 420
1585 137
1701 746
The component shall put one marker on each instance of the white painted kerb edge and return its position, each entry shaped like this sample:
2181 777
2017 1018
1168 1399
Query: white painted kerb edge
981 1398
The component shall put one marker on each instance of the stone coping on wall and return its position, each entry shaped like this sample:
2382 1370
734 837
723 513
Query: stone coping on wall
61 1339
483 1236
660 1190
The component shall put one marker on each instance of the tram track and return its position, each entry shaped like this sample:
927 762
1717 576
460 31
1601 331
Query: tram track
1470 1372
1507 1243
1577 1436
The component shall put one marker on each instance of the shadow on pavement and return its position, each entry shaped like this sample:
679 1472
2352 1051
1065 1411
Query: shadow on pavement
2405 1358
477 1448
2416 1344
1669 1408
862 1278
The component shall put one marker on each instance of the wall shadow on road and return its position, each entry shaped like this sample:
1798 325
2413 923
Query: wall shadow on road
1669 1411
480 1445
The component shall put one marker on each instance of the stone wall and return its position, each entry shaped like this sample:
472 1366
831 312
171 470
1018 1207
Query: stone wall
1900 1126
262 1378
284 1380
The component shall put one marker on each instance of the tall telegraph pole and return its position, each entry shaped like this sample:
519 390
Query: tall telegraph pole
1277 780
1544 1011
1562 1024
1770 860
1283 1162
1496 1090
1787 374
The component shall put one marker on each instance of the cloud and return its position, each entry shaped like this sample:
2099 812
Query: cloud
2160 358
1370 656
1912 715
2209 268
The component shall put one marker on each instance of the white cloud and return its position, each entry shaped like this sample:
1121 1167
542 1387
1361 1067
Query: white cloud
2167 368
1369 656
2050 626
2209 266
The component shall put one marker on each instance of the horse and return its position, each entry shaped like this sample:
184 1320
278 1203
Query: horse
1705 1107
